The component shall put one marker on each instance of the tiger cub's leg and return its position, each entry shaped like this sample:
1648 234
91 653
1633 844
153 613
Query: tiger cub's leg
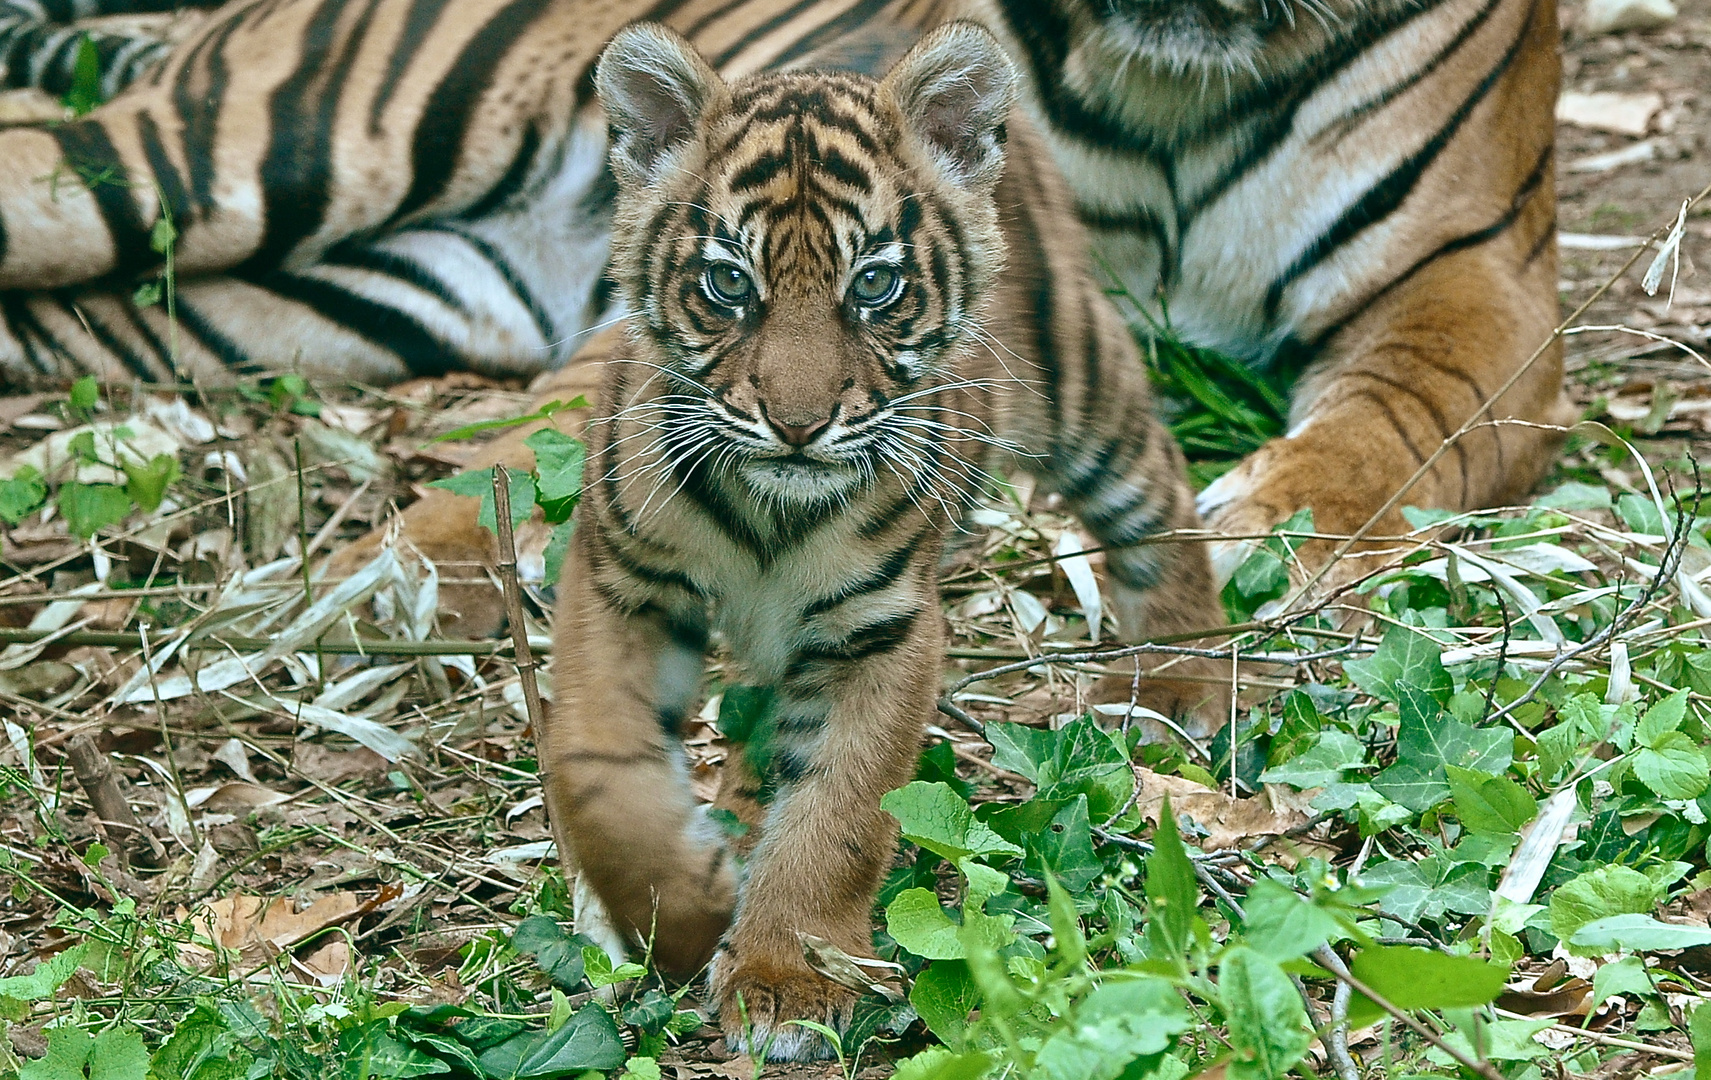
626 674
849 730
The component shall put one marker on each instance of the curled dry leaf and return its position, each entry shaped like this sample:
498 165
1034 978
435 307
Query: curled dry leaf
259 928
1228 822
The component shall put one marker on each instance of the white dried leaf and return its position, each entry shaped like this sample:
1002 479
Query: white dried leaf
301 633
354 688
540 849
382 740
233 756
1668 254
1079 571
1519 593
1527 866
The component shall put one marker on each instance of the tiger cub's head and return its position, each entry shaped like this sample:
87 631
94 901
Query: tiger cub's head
804 254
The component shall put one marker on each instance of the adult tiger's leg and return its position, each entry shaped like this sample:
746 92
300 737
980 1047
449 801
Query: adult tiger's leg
849 730
1124 475
611 764
1394 385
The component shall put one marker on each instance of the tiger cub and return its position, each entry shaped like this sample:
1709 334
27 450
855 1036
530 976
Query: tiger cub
841 299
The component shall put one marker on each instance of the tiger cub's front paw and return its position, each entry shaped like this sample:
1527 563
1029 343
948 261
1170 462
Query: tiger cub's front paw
758 998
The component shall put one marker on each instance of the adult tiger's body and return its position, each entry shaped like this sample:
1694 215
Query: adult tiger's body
1362 188
1359 187
796 416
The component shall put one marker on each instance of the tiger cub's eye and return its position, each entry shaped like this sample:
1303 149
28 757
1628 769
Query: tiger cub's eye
728 283
876 286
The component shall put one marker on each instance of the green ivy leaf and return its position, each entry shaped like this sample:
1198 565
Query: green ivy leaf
146 482
1673 766
1171 891
588 1040
22 495
73 1054
1121 1029
1283 924
1661 719
1321 764
41 983
1489 804
599 970
559 954
1267 1024
202 1047
89 508
478 484
559 461
1419 978
938 1063
1406 668
85 91
1597 894
916 921
943 995
85 394
1699 1030
932 816
371 1053
1637 933
546 411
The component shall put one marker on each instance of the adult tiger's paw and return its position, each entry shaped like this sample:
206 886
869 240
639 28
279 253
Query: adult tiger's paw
758 1000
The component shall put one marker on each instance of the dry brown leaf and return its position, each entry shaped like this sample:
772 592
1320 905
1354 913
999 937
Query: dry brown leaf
258 928
1228 822
333 765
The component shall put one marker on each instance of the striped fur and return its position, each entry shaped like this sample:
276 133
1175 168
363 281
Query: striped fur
1358 188
778 458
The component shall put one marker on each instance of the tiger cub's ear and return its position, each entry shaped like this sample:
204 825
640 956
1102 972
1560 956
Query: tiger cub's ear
955 89
655 89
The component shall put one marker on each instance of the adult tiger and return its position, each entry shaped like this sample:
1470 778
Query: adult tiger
385 187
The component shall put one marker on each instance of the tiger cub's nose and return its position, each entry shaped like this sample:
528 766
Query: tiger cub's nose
798 434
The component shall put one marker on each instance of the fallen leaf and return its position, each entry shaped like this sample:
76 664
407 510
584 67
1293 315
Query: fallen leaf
1228 822
1610 110
259 928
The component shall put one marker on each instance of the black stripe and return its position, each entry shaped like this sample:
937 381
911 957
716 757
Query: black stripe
855 16
437 145
104 335
876 637
885 574
511 183
1384 197
1523 195
296 173
1351 119
388 327
198 103
422 17
653 575
15 311
518 285
229 352
380 261
90 152
166 174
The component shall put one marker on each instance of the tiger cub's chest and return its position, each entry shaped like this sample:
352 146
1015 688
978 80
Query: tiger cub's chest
805 587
